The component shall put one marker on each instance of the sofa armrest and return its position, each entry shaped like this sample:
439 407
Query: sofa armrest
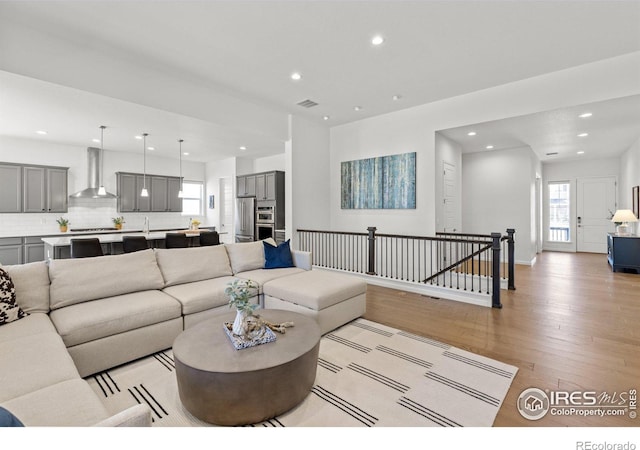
302 260
136 416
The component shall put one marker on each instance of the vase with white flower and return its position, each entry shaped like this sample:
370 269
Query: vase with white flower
240 292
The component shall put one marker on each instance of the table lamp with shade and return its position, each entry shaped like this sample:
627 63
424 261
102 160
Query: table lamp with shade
623 217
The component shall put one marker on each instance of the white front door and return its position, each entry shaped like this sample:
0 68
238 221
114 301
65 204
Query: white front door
449 196
596 201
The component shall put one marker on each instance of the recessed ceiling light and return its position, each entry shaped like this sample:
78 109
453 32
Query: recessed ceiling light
41 132
96 140
581 152
489 147
151 148
186 153
138 137
583 135
585 115
471 133
296 76
243 148
396 97
357 108
377 40
325 117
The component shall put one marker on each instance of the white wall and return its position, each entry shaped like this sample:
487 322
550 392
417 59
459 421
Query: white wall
497 194
413 129
389 134
216 170
629 174
306 182
448 151
570 171
270 163
89 212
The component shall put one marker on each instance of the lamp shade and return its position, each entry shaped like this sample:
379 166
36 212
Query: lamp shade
624 215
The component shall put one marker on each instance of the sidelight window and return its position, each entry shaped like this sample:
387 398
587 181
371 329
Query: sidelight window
559 212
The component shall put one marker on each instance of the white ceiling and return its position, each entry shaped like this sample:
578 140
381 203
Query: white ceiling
612 128
248 49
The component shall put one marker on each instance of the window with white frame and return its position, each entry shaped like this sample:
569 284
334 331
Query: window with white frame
192 192
559 212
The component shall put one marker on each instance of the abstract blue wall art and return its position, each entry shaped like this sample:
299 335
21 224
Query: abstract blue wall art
385 182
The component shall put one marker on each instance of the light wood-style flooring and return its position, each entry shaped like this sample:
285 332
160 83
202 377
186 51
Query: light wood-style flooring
572 324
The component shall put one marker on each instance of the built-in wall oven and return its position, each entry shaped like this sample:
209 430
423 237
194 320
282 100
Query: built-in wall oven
265 222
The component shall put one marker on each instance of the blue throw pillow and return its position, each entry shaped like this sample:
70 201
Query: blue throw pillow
277 257
8 420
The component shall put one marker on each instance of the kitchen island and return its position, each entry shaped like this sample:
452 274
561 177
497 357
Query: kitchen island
59 247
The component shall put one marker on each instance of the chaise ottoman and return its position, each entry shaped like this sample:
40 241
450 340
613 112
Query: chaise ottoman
332 299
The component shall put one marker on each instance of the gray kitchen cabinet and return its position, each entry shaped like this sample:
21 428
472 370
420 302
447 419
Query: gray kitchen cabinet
33 249
164 194
246 186
174 202
10 251
44 189
57 191
129 188
159 191
267 185
11 188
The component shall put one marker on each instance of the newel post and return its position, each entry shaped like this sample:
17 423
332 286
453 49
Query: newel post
511 261
495 272
372 250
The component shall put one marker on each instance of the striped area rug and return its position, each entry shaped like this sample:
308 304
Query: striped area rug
369 375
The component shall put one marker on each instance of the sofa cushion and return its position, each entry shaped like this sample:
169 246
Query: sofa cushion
83 279
70 403
32 324
200 295
277 257
9 309
33 362
315 289
247 255
184 265
262 276
32 285
93 320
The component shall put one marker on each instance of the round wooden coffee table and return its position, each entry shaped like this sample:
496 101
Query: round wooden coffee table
224 386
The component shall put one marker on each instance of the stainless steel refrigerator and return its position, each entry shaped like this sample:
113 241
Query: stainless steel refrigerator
245 219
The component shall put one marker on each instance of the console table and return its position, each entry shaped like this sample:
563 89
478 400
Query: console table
623 252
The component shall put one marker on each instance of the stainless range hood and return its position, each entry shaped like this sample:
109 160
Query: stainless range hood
93 177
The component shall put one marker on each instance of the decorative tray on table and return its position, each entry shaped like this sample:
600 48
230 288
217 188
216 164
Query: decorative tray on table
239 342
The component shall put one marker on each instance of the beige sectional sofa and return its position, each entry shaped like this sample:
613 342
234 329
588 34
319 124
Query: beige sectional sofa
91 314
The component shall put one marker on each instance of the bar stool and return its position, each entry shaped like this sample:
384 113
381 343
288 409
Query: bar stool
134 243
209 238
176 240
86 248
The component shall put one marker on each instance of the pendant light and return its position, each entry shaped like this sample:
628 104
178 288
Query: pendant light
180 194
144 192
102 192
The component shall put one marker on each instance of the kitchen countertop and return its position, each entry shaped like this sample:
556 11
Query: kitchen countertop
53 234
108 238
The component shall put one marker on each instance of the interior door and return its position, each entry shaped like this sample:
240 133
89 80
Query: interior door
596 201
450 197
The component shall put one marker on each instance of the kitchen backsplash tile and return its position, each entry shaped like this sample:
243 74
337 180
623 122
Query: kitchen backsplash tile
89 213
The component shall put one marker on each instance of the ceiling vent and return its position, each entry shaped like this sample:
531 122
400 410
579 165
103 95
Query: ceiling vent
307 103
552 154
